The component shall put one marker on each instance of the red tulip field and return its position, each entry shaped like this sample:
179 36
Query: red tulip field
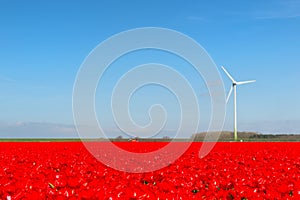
66 170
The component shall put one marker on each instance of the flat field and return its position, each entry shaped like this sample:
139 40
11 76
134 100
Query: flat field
66 170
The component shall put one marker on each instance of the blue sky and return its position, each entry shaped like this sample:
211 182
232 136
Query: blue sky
44 43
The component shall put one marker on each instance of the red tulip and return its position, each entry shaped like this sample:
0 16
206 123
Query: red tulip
231 171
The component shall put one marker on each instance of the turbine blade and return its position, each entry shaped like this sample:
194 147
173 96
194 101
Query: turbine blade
245 82
228 74
229 93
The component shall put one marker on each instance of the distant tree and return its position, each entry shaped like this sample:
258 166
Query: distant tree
119 137
166 138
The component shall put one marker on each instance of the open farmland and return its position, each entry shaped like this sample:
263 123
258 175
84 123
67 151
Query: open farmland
60 170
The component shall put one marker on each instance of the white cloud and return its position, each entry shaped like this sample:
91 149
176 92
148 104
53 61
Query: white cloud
36 130
197 18
264 10
6 79
278 10
51 130
272 127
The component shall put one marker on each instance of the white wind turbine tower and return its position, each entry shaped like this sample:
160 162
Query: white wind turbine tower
233 87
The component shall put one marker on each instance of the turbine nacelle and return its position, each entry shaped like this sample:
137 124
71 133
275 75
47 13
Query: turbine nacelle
234 83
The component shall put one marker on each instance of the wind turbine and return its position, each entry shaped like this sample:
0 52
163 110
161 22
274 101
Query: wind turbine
233 87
